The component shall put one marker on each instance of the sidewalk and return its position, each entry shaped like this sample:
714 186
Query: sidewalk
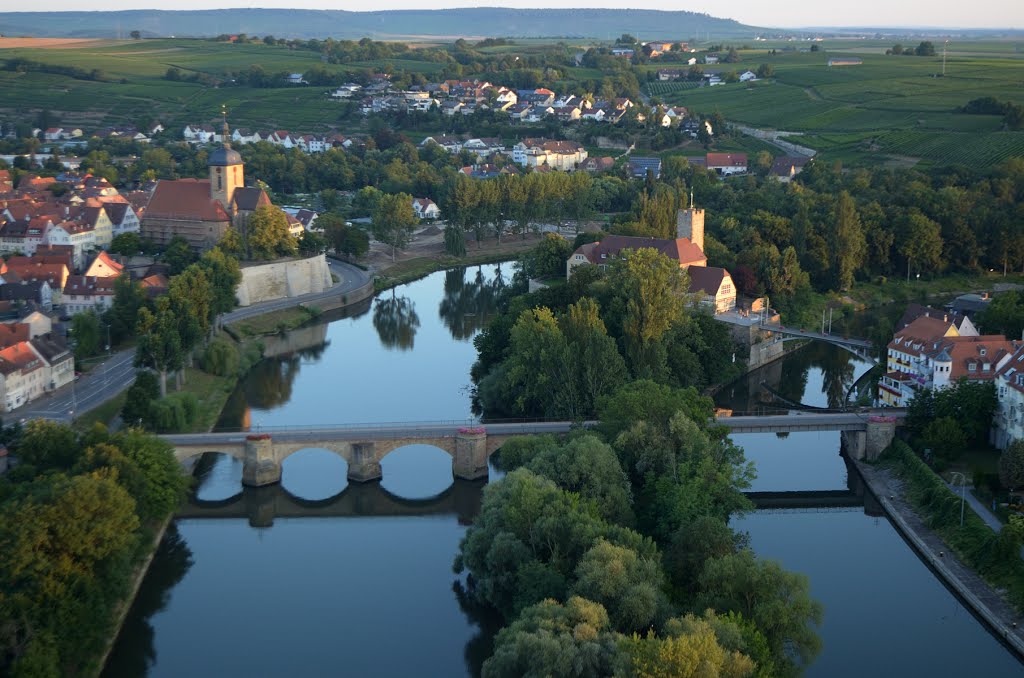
1000 616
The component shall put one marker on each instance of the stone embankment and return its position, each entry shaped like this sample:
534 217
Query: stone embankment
986 603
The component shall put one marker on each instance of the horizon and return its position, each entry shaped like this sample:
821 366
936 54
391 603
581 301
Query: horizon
989 15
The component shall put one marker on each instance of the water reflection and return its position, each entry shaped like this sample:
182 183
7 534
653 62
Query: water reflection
262 505
469 302
396 322
816 375
135 650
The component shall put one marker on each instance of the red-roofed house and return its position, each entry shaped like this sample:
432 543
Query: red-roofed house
727 163
86 293
23 376
104 267
931 353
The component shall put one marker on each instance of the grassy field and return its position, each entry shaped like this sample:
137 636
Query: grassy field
133 85
890 107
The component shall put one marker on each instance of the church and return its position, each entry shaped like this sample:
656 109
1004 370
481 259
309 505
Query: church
712 286
202 210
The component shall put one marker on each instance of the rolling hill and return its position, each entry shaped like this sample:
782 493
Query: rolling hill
303 23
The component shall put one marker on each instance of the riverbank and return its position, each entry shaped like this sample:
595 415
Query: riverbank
126 605
890 490
414 268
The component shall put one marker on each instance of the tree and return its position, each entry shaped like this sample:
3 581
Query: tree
692 648
776 601
223 274
926 49
454 241
547 258
129 297
765 71
649 289
126 243
626 584
552 639
139 397
159 346
266 234
48 445
178 255
846 241
587 466
136 35
1011 466
921 243
163 484
945 437
393 221
85 330
311 242
645 400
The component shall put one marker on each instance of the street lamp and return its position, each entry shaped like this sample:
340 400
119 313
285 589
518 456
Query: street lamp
963 485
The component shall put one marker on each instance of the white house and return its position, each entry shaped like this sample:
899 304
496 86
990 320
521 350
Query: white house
346 91
296 79
747 76
425 208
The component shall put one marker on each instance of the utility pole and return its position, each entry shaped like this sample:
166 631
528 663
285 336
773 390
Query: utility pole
944 45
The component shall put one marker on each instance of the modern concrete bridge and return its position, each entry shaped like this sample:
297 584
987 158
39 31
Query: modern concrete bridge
363 446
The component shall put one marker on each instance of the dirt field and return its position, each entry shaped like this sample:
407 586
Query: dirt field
52 43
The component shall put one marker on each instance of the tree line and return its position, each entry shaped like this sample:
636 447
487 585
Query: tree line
78 514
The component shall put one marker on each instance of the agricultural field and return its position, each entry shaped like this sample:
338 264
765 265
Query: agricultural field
669 88
890 107
133 86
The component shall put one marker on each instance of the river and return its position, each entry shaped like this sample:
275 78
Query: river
315 578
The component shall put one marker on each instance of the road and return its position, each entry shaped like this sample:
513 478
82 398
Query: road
94 388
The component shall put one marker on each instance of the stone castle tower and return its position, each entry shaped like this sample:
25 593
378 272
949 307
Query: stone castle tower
226 173
690 224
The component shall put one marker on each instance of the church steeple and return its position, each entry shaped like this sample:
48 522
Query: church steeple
225 164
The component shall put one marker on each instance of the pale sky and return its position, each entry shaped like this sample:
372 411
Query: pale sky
783 13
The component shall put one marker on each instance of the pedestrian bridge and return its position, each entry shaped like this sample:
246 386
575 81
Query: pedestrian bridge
470 444
859 347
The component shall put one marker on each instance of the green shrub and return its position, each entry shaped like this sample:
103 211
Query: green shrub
175 413
221 358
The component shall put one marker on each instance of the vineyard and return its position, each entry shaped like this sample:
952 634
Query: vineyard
973 150
668 88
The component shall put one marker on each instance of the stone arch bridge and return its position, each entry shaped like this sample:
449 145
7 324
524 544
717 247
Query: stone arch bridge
470 445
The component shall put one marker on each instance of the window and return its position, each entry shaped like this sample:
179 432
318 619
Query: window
972 367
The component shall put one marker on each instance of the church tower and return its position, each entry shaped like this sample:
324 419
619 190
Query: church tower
225 171
690 224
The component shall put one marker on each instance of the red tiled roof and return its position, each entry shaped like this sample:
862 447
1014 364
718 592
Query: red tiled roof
680 249
185 199
727 159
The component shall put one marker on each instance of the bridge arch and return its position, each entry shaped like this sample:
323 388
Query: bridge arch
184 453
314 473
416 471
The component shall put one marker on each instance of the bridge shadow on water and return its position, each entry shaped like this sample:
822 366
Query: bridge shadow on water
261 505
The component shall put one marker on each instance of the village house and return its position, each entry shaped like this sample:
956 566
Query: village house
561 155
727 163
930 353
425 208
87 293
785 167
639 167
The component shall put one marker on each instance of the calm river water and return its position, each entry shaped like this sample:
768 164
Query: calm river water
314 578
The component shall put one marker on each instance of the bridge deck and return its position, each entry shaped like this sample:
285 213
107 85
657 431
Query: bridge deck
821 336
795 421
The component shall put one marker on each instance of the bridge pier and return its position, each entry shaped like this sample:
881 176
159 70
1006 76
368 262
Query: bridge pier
470 460
869 444
365 466
260 466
